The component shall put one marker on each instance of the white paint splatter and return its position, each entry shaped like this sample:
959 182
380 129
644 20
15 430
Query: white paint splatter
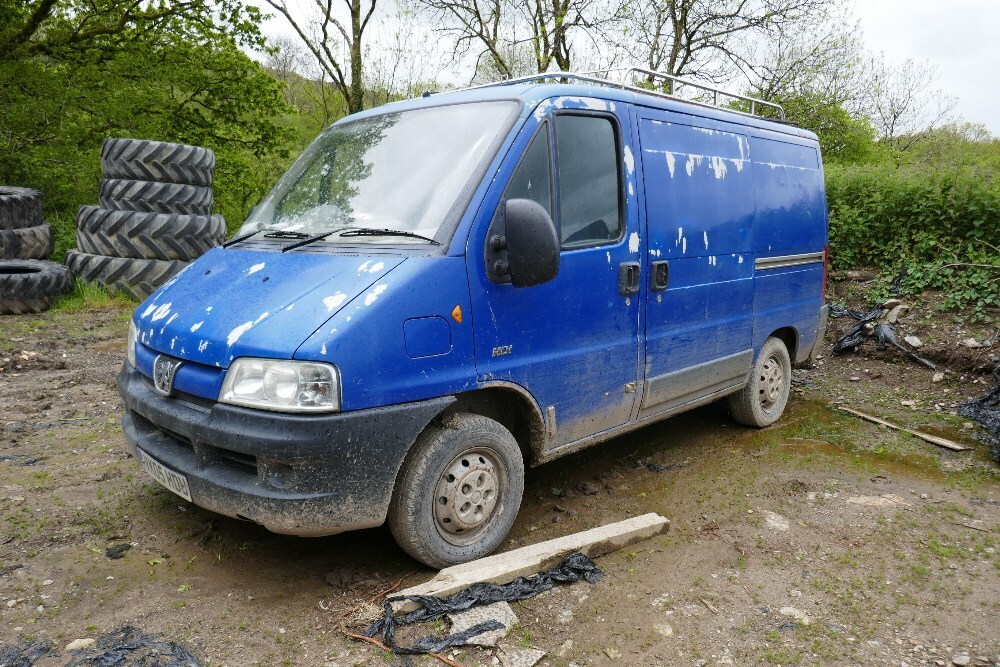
290 307
609 257
235 334
172 341
633 242
209 309
150 308
202 346
333 301
364 267
374 294
684 246
719 167
262 316
322 350
172 318
255 268
680 236
629 160
671 163
376 267
705 235
740 260
197 326
161 312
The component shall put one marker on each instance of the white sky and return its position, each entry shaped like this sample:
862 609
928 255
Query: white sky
959 37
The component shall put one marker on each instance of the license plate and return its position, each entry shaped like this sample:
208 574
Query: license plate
174 481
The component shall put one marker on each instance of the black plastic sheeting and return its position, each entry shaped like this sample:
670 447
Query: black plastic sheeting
126 646
573 568
885 334
986 411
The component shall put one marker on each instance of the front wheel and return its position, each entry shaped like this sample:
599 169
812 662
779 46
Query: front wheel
763 400
458 492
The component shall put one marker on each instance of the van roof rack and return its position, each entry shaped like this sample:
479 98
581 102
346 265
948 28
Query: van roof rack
671 82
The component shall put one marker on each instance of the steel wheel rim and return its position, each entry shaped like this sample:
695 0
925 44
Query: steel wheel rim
469 495
772 382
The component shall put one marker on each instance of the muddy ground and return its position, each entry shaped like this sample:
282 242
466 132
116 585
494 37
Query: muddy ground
820 540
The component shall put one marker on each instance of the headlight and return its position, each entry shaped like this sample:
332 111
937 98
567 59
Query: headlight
130 349
286 386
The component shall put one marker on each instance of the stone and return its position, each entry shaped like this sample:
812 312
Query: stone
938 377
797 614
775 521
521 657
499 611
896 313
612 653
588 488
565 616
970 343
664 629
892 303
565 648
79 644
913 341
961 660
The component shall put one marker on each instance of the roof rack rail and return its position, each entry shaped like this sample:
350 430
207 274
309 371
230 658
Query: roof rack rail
672 82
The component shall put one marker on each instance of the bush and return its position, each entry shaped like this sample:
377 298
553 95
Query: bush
939 229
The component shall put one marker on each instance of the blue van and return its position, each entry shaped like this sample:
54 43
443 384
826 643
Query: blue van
444 290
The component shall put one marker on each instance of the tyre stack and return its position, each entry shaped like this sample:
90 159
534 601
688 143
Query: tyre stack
28 283
155 216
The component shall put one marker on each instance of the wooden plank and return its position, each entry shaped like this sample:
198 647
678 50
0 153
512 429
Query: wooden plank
933 439
504 568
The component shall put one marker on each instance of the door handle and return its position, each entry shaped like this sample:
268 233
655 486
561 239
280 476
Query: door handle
628 278
660 275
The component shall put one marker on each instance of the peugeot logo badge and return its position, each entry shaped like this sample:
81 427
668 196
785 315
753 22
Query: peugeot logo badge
164 371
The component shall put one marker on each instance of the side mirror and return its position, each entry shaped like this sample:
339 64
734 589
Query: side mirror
532 243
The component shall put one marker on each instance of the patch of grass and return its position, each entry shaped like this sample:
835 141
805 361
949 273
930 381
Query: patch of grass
86 296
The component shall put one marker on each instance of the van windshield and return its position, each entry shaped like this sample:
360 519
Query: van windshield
403 172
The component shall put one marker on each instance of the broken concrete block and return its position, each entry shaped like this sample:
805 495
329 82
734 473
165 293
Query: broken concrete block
499 611
520 657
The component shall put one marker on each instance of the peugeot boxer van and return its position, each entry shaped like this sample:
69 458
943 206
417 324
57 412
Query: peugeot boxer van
445 291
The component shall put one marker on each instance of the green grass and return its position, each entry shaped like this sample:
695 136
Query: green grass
91 296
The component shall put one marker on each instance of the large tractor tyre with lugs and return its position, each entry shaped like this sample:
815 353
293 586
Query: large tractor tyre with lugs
20 207
141 160
155 197
137 277
31 285
26 243
138 235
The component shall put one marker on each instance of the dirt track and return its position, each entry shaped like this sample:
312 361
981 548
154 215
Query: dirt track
888 546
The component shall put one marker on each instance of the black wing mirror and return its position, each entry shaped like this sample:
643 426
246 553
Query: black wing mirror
532 243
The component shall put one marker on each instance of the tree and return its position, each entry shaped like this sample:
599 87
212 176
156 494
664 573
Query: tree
900 102
321 38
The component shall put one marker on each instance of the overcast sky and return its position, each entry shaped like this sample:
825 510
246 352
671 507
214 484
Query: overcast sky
957 36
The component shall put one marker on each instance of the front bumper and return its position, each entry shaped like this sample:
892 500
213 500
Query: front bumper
293 474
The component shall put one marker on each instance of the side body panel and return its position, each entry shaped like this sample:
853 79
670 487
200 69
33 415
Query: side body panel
790 236
699 204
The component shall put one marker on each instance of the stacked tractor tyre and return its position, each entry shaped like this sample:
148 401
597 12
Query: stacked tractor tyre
28 283
155 216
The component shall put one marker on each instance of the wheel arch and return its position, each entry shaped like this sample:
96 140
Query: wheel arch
789 336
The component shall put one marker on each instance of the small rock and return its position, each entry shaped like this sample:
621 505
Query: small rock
913 341
970 343
48 582
565 649
521 657
500 612
117 551
566 616
961 660
664 629
892 303
78 644
896 313
855 378
775 521
588 488
797 614
908 404
612 653
938 377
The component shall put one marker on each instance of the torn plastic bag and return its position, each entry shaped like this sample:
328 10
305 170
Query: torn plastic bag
885 335
573 568
985 410
24 654
856 334
129 646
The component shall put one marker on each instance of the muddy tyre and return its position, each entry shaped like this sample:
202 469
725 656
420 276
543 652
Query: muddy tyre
138 235
31 285
458 491
763 400
137 277
20 207
141 160
155 197
26 243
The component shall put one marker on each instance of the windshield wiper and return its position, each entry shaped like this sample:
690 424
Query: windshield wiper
371 231
307 241
236 240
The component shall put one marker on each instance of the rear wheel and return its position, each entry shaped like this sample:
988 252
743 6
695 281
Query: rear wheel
458 492
763 400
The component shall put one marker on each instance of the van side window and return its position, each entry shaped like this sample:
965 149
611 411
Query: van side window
589 180
533 178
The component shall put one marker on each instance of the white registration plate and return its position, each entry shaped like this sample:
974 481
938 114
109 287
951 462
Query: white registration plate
174 481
